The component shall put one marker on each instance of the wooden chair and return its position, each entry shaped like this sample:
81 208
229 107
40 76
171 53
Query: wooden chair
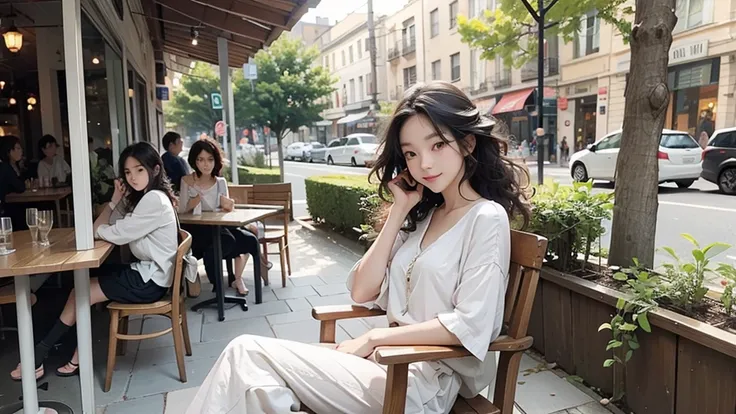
527 253
171 306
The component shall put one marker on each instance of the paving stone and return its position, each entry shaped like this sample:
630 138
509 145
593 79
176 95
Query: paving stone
294 292
151 404
332 289
229 330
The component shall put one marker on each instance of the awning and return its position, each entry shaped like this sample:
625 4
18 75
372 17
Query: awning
323 123
513 101
353 118
485 106
248 25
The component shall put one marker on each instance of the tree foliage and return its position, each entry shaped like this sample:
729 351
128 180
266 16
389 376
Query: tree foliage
506 31
289 90
191 107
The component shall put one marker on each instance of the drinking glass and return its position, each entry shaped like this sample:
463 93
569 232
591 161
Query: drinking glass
6 236
45 223
32 223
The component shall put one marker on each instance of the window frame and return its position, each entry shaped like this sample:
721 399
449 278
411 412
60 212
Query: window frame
452 68
434 23
454 9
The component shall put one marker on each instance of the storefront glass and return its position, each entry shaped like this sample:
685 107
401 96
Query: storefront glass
585 121
694 98
138 107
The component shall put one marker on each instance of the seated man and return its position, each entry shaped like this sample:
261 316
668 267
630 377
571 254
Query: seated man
174 165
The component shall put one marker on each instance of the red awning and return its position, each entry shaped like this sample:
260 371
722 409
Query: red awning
513 101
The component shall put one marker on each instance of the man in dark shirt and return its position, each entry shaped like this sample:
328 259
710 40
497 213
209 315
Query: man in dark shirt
175 166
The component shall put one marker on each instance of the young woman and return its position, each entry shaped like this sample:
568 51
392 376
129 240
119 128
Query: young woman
11 177
205 188
148 226
51 166
439 268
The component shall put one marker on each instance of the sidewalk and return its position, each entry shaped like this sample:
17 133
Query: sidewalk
146 378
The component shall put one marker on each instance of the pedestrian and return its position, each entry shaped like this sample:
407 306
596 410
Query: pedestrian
439 268
564 152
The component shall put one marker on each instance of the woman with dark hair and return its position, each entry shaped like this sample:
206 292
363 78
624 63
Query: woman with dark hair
205 190
52 166
11 180
439 269
144 200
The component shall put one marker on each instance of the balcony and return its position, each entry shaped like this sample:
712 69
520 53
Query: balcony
480 89
397 93
502 80
409 47
394 52
551 67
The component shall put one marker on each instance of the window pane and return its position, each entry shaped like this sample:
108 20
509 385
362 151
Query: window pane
678 141
368 139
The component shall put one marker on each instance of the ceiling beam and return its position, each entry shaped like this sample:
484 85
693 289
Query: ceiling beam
198 14
177 22
249 9
283 5
300 9
185 32
234 60
208 45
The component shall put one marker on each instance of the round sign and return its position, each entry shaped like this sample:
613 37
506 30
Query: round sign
267 130
220 128
567 122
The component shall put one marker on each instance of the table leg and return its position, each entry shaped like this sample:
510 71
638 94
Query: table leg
257 274
219 289
58 212
25 339
84 340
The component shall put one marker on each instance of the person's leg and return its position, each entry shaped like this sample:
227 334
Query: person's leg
67 319
245 243
256 374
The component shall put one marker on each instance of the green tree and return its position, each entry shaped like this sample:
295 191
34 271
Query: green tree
191 107
508 31
288 92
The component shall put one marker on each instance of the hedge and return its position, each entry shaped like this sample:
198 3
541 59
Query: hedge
336 200
253 175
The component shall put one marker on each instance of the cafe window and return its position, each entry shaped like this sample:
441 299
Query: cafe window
138 106
693 103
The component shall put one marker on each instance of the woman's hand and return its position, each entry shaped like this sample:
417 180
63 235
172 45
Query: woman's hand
228 204
405 200
361 346
120 191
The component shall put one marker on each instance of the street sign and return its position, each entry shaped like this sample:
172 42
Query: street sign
216 99
162 93
220 128
250 71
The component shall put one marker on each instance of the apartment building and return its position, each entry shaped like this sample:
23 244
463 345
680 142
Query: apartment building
406 54
347 57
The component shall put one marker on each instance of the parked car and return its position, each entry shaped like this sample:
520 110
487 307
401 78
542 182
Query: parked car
355 149
301 150
719 160
679 158
313 147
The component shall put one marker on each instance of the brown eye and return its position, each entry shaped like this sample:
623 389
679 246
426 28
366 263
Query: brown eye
439 145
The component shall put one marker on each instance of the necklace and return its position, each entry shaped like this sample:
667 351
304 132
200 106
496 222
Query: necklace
409 271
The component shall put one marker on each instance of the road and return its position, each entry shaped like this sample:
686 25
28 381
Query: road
700 210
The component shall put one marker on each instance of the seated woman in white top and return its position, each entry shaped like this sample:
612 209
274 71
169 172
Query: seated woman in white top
204 188
148 226
51 165
439 268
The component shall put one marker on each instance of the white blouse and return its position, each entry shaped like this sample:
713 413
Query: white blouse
151 233
459 279
58 169
210 197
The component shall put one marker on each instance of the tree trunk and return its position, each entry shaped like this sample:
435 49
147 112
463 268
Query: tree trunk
637 168
279 138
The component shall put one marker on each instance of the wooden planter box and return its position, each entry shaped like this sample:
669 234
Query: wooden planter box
682 367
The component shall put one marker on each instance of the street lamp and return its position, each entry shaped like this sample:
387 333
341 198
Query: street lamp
13 39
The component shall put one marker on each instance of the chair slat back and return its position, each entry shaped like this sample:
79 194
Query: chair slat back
274 195
242 194
177 288
527 256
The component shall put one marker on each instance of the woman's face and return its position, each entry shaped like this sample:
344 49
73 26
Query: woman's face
135 174
49 151
431 161
16 154
205 163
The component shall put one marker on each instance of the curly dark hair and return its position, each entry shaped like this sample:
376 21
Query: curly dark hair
489 172
147 155
209 146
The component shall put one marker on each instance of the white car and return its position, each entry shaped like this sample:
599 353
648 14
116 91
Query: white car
679 158
357 150
296 150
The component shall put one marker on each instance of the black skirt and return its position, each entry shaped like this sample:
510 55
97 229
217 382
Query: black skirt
121 283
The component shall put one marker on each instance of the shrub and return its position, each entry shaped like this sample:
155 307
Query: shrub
339 201
253 175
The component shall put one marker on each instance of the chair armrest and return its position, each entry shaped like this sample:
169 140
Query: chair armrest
391 355
337 312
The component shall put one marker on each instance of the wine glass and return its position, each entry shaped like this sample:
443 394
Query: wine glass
6 236
32 223
45 223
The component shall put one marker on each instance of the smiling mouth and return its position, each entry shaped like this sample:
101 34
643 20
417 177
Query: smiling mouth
431 177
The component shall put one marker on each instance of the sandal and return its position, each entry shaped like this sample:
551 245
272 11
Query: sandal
239 286
73 373
15 375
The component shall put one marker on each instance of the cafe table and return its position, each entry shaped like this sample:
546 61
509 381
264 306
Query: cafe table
30 259
55 194
239 217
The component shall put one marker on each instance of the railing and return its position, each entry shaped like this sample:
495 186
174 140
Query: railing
502 80
397 93
481 88
530 70
409 47
394 52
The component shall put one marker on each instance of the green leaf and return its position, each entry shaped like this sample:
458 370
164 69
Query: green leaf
607 363
714 249
636 261
629 327
613 344
699 255
643 276
691 239
604 326
671 252
633 344
644 322
620 303
689 267
620 276
629 354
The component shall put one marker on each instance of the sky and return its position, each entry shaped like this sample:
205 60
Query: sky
338 9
